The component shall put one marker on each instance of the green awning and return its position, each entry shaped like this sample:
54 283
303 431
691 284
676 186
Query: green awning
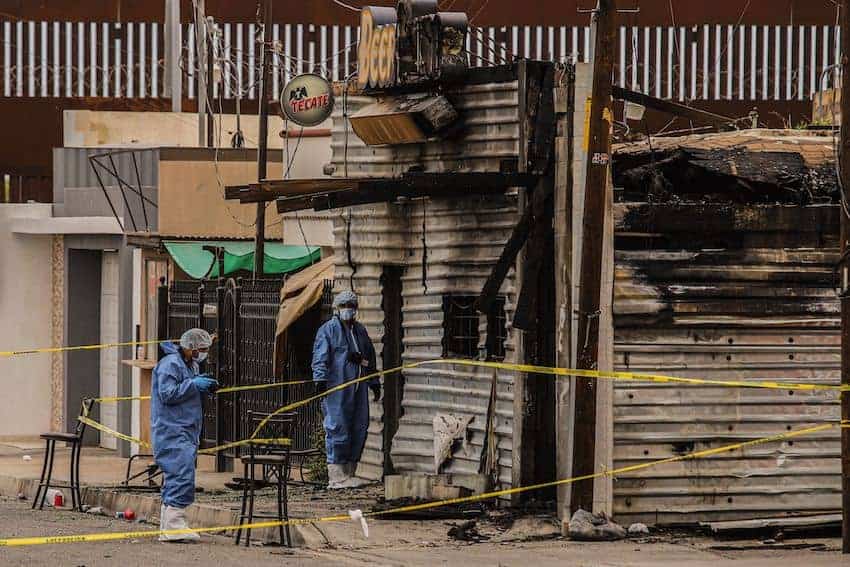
279 258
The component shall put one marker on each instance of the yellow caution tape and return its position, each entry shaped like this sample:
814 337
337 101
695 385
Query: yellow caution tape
227 390
209 451
7 353
43 540
636 376
272 441
601 374
100 427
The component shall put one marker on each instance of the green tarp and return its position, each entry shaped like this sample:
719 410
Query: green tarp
279 258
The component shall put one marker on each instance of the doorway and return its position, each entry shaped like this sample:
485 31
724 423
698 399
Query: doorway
391 356
82 375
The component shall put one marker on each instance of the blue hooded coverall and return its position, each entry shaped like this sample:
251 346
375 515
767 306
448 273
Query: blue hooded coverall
176 419
346 411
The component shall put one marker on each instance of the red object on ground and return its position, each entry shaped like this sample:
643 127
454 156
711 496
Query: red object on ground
58 500
129 514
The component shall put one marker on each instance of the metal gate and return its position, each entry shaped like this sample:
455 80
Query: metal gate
192 304
243 314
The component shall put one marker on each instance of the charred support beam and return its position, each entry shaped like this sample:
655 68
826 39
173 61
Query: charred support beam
409 186
674 108
540 229
540 115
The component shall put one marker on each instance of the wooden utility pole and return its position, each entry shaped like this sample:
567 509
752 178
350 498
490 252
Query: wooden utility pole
598 145
844 182
262 148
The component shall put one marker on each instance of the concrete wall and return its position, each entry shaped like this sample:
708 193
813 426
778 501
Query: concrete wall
25 309
308 150
109 333
88 128
191 194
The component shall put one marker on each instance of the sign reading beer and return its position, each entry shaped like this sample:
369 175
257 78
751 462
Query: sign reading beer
410 44
307 100
376 53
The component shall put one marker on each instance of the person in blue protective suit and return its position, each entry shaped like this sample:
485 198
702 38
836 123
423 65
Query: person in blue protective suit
176 417
343 352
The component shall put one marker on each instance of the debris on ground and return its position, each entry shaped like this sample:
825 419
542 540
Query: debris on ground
467 531
531 528
585 526
95 510
22 496
638 529
776 546
448 512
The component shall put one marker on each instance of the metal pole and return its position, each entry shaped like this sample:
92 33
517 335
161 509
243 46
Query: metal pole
210 97
262 149
173 54
598 166
844 182
201 64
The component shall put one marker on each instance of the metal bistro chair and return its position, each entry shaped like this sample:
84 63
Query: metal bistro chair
274 458
76 441
308 421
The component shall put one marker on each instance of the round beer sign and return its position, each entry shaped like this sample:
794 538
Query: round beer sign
307 100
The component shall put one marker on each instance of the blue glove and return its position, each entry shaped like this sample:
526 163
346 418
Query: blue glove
205 384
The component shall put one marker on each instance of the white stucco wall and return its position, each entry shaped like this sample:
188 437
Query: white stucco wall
109 334
25 309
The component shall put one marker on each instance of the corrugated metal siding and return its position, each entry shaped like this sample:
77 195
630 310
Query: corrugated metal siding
491 135
464 239
72 169
757 304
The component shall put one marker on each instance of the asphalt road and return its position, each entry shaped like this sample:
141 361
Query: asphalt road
17 520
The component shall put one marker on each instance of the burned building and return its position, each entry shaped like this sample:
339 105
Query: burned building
724 269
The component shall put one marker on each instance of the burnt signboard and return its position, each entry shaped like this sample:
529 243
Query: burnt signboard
410 44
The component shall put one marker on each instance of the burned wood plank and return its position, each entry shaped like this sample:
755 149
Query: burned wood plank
265 191
412 185
698 218
515 242
525 314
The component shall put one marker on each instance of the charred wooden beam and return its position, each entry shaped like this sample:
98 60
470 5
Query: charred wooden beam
719 121
266 191
507 258
717 218
540 231
409 186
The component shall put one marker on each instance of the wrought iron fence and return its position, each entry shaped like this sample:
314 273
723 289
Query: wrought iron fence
243 314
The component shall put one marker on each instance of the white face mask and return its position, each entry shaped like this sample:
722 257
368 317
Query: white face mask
202 356
347 313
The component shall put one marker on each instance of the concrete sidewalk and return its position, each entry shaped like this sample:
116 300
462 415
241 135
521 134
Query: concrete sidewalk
101 471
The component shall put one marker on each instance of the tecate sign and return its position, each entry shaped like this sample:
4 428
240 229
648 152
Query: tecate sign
307 100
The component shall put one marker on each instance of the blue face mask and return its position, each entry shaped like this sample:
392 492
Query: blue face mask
202 356
347 313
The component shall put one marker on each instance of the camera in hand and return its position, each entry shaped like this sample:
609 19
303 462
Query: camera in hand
355 357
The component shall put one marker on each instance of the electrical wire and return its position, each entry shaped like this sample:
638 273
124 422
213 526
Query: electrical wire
346 6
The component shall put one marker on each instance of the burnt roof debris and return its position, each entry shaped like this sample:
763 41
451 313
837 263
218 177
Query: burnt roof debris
749 167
